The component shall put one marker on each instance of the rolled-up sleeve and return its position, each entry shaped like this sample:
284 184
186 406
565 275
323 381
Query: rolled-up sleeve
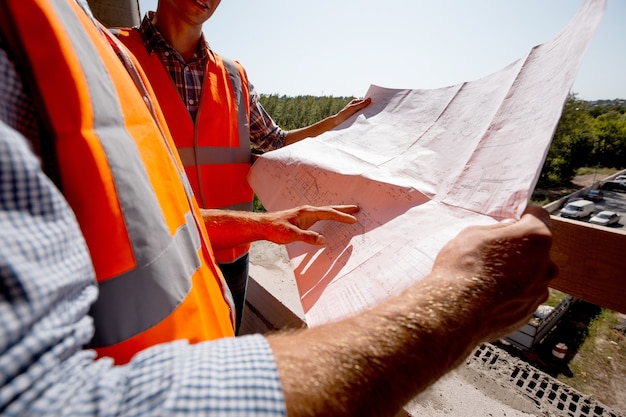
265 134
228 377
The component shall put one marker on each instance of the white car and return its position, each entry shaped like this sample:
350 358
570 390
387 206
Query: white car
605 218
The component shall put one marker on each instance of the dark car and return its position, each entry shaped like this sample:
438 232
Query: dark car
614 185
572 199
594 195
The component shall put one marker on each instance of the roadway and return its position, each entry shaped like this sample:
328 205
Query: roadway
613 201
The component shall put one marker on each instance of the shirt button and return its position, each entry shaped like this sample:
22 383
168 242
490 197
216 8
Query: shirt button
190 101
166 53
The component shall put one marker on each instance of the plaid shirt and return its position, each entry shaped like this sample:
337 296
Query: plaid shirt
47 284
188 77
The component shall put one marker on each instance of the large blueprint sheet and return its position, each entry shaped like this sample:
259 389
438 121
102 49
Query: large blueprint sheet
422 165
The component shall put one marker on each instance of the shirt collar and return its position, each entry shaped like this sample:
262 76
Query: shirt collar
154 40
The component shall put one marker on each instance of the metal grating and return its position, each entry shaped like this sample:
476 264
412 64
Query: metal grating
538 386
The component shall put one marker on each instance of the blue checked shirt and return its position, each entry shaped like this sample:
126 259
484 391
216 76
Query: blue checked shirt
47 284
265 135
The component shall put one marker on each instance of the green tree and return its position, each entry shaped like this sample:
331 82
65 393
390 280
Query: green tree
572 143
610 146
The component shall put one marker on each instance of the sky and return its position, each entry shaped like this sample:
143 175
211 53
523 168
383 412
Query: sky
341 47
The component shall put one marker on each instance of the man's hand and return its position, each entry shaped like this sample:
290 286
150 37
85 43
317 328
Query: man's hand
292 225
352 107
500 272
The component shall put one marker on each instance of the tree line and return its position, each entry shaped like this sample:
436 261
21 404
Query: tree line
589 134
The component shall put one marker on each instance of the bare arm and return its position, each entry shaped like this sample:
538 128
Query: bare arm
229 228
484 283
328 123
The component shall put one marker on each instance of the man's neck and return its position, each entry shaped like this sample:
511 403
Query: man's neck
181 36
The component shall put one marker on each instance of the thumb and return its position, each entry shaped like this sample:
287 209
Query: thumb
311 237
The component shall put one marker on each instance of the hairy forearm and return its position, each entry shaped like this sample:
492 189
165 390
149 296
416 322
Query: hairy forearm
375 362
231 228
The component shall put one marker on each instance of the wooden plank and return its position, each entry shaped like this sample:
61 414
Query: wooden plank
591 261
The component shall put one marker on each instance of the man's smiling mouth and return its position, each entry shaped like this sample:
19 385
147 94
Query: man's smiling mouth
202 4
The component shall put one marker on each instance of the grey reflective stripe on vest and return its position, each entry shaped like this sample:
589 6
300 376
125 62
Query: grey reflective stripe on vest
138 299
240 99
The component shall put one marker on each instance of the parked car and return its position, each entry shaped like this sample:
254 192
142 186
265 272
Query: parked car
578 209
594 195
614 185
605 218
620 178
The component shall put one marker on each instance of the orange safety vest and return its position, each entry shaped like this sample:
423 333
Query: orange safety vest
119 171
215 150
